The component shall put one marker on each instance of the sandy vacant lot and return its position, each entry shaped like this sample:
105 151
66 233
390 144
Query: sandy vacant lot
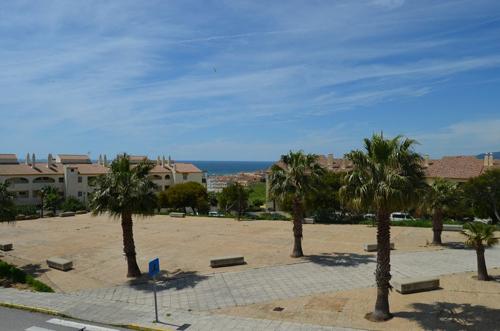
463 303
183 245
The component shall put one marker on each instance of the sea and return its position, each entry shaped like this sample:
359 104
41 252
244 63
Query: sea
230 167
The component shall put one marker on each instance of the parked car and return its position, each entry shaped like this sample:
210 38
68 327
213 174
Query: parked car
400 216
483 220
215 214
369 216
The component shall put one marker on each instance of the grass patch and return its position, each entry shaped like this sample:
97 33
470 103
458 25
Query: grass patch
257 193
16 275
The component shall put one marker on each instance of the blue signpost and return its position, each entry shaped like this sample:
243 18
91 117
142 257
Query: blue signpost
154 269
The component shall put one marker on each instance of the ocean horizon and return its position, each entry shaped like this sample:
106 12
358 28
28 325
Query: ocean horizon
229 167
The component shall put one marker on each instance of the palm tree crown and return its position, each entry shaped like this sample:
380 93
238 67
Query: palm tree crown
479 235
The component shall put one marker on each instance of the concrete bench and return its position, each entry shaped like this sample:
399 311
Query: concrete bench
452 227
80 212
67 214
20 217
60 263
413 285
373 247
177 215
226 261
6 246
48 214
309 220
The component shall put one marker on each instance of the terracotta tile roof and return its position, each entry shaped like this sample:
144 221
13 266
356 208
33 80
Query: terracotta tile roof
91 169
73 158
186 168
8 159
27 170
337 165
455 167
158 169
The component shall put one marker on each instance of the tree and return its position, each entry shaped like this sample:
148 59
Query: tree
293 178
234 197
386 177
439 198
72 204
479 236
324 201
162 200
7 207
484 194
51 198
123 192
190 194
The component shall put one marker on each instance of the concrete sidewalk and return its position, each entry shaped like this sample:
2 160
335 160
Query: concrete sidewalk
126 314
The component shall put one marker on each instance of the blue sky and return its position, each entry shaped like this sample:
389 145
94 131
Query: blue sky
247 80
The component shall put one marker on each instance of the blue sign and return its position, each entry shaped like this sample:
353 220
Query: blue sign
154 267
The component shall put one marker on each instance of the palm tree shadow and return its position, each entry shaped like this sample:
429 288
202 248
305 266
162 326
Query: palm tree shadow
179 281
340 259
453 316
35 270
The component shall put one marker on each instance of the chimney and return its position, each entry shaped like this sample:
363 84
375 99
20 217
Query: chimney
99 162
33 161
105 161
158 161
49 160
28 160
486 159
169 161
329 161
490 160
426 160
163 161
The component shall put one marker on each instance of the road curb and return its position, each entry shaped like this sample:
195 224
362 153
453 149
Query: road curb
33 309
142 328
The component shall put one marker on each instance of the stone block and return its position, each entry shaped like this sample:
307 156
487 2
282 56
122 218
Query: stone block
5 246
309 220
452 227
67 214
373 247
80 212
20 217
413 285
59 263
173 214
226 261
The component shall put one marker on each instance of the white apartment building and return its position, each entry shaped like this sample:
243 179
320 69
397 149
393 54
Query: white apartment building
74 175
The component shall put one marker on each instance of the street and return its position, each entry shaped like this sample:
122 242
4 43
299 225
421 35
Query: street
20 320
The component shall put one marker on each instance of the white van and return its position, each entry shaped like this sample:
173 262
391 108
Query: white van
399 216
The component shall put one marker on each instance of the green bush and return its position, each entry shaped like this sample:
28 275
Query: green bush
72 204
16 275
26 210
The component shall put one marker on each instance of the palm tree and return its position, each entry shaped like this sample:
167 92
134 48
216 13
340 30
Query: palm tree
293 178
124 191
439 198
479 236
385 178
7 207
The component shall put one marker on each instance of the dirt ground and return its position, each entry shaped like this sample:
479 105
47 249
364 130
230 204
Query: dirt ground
184 246
462 303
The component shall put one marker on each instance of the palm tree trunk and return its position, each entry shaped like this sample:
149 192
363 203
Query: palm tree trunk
129 246
383 270
482 272
297 229
437 227
41 208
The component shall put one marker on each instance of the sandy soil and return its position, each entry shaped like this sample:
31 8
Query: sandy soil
183 245
463 303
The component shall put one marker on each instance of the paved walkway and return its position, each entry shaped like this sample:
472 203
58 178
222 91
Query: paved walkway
321 274
187 300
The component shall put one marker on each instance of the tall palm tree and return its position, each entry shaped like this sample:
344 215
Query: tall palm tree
385 178
124 191
479 236
293 178
7 207
439 198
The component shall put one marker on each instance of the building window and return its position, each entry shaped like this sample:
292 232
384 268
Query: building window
167 176
61 179
44 180
166 187
79 179
80 193
185 176
16 180
23 194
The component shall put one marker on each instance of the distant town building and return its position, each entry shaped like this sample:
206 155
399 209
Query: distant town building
218 183
75 175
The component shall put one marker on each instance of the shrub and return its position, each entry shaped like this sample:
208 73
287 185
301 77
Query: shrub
72 204
16 275
26 210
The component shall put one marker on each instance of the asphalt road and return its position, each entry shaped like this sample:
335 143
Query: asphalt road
20 320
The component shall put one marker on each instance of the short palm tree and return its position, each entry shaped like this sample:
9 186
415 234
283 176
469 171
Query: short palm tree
386 177
439 198
293 178
479 236
124 191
